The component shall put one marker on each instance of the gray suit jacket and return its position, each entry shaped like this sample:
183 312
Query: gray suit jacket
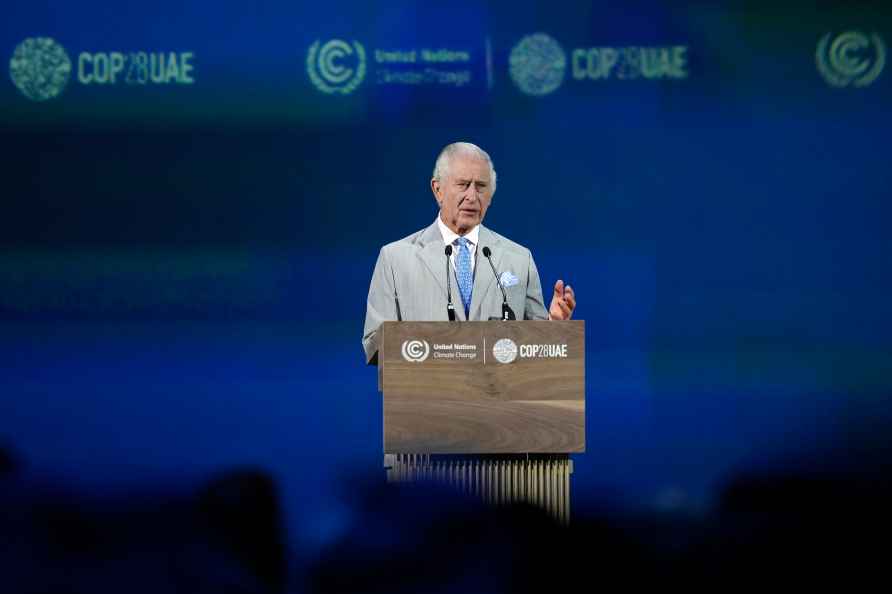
417 264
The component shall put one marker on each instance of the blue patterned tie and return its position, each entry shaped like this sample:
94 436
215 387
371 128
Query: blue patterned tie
463 272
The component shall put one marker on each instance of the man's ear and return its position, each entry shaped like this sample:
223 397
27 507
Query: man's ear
435 188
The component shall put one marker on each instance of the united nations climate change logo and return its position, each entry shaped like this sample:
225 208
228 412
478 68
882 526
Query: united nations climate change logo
40 68
537 64
337 66
416 351
504 350
850 58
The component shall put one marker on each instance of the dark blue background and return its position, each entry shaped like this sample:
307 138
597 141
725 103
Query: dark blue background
184 269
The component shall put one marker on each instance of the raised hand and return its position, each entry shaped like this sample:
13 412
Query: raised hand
563 303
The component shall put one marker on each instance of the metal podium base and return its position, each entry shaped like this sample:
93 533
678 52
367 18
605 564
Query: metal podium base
542 480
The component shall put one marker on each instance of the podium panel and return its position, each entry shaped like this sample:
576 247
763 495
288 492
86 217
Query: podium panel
541 480
492 387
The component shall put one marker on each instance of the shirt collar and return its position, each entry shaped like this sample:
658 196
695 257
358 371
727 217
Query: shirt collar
449 236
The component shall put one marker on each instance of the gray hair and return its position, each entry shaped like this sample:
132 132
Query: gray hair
441 167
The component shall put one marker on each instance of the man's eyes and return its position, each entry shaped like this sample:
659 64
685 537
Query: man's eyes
465 185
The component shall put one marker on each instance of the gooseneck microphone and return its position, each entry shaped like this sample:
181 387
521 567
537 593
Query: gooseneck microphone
450 309
396 297
507 312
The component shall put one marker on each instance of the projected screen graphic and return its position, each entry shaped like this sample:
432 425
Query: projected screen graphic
194 197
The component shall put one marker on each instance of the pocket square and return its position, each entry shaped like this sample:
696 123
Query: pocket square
507 279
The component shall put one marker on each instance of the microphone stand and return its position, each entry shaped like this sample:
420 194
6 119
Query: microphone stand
450 309
507 312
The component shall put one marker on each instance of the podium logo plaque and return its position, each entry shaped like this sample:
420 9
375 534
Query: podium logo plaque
415 351
504 350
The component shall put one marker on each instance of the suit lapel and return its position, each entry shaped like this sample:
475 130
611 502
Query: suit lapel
433 258
484 280
456 297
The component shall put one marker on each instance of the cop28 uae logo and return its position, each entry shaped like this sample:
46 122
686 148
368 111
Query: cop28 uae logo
40 68
336 66
416 351
537 64
504 350
851 58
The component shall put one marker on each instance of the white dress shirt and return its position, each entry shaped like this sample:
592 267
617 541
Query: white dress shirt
449 237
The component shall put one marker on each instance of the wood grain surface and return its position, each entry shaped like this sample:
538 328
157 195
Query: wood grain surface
463 400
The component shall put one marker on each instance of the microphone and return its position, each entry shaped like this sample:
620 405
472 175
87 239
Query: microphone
450 309
507 312
396 298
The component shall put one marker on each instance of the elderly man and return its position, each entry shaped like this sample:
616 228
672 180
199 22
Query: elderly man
410 280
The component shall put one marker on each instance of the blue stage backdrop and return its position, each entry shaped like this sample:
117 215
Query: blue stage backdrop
194 195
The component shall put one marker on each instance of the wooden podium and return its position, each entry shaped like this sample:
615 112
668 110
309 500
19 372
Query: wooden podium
493 408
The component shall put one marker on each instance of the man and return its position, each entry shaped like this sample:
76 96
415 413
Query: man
410 282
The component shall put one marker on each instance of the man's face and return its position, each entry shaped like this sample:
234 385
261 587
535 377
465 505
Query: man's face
464 193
